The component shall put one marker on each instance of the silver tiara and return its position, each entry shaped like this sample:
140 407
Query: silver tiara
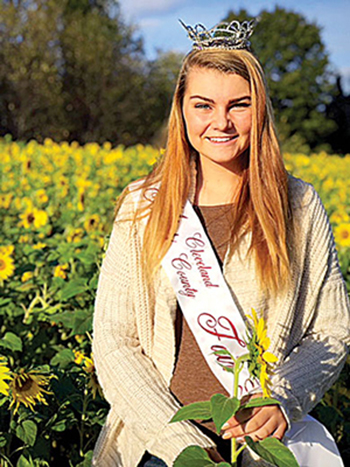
234 35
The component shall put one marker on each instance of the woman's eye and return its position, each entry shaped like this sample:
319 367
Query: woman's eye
202 106
240 105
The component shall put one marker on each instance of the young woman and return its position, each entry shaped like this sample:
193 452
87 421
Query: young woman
273 243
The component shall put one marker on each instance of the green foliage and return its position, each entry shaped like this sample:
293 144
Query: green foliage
223 408
195 411
74 70
196 456
260 402
274 451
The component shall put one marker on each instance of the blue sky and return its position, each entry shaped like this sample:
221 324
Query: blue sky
157 22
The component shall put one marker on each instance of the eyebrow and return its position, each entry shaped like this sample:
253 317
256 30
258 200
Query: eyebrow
213 102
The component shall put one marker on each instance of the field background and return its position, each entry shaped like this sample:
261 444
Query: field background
56 211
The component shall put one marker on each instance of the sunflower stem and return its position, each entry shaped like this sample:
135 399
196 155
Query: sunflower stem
237 369
82 424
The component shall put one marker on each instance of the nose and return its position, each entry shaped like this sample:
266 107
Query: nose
222 120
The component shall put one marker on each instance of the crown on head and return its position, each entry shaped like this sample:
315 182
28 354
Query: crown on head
234 35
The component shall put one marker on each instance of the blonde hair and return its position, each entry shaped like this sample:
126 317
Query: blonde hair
262 206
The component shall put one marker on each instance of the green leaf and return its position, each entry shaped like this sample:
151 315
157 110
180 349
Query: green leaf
27 432
195 411
274 451
63 358
260 402
223 408
87 460
59 426
3 441
24 462
4 301
82 322
66 318
11 341
73 288
193 456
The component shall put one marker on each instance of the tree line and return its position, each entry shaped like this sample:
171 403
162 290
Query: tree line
75 70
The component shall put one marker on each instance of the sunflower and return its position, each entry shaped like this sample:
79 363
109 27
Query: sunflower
27 388
7 266
42 196
26 276
75 236
89 368
4 375
260 360
39 246
60 271
34 217
92 223
93 384
7 250
78 357
342 234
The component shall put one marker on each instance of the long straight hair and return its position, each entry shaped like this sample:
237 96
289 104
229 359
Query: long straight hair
262 206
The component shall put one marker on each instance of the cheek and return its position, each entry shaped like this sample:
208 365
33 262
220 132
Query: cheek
246 124
194 124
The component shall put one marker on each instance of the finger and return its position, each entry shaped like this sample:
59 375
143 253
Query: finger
264 431
256 422
242 417
279 433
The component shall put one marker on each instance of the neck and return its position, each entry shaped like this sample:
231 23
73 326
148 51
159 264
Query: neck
217 183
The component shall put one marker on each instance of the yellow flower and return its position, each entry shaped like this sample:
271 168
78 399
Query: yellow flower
4 375
34 217
260 359
7 267
7 250
92 223
89 368
79 357
39 246
23 239
42 196
26 276
93 384
60 270
5 200
27 388
75 236
342 234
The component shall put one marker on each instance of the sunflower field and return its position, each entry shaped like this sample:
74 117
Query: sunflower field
56 210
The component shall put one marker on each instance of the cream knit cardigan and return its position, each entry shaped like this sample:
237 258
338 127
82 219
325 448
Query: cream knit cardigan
134 336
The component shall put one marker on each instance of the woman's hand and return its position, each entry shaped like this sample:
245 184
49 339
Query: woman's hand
257 422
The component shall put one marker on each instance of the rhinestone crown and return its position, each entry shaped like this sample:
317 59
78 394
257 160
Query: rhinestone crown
234 35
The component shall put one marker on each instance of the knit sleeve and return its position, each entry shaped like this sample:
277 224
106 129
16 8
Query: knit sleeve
315 362
131 382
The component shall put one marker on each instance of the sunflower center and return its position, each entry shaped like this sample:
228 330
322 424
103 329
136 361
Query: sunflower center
30 218
24 384
345 234
2 265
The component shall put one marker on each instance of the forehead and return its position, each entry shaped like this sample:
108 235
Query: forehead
215 84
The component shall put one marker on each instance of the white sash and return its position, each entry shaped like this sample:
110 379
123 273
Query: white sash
215 321
206 301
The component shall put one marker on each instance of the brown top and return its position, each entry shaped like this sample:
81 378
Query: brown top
193 380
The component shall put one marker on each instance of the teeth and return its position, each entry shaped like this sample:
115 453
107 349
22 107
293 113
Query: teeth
220 140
